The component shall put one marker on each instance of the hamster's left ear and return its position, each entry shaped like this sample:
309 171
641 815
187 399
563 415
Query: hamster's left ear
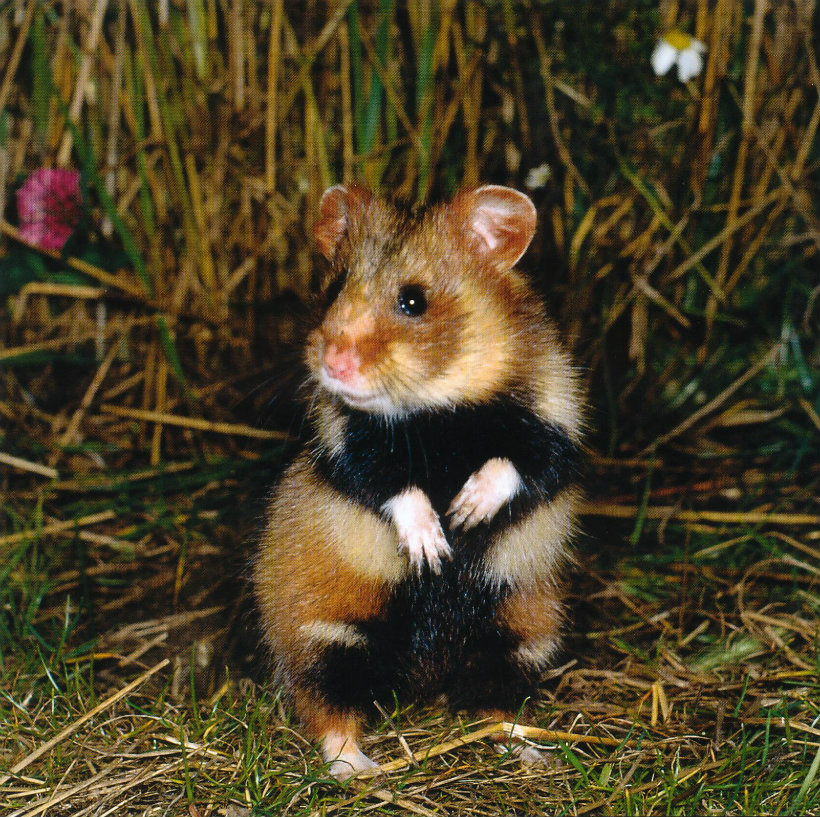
498 222
340 208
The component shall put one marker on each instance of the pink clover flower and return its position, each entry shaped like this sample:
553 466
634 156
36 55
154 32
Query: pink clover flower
49 206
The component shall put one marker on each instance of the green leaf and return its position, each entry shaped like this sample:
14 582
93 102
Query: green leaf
19 267
170 349
372 113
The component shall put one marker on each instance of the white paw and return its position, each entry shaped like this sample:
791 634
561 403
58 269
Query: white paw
345 757
349 764
420 535
484 493
528 755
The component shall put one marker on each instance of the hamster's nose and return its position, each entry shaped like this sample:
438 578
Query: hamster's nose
340 363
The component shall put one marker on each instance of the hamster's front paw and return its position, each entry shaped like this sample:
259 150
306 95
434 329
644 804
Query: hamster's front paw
484 493
420 535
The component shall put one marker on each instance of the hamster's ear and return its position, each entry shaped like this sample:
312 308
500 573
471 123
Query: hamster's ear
340 207
498 222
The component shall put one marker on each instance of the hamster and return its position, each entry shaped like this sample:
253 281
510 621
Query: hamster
416 544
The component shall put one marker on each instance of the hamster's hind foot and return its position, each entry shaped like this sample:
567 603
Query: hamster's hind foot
345 757
528 755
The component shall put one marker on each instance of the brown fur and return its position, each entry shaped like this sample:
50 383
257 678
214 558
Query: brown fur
320 720
306 570
534 612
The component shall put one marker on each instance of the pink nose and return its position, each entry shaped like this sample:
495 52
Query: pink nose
341 364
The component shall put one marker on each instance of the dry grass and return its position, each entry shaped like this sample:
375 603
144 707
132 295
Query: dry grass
679 245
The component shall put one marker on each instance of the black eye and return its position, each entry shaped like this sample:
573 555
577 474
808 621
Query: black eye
412 301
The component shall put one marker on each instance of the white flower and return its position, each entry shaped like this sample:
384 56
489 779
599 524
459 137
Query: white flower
663 58
537 177
677 48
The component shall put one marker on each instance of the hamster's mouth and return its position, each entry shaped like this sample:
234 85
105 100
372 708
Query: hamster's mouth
357 396
373 404
370 402
358 400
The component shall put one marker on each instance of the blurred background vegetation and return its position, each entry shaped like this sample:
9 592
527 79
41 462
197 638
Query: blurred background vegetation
678 246
679 228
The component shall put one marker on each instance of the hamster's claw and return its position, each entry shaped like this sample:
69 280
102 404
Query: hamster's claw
484 494
425 542
470 506
421 538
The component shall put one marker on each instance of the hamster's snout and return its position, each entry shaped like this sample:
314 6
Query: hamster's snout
341 364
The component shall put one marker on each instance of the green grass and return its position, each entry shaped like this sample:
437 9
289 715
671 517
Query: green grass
703 670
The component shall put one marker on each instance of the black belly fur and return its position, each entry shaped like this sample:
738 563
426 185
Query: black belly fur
438 450
439 633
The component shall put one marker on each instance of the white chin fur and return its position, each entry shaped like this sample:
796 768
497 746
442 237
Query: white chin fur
358 398
372 403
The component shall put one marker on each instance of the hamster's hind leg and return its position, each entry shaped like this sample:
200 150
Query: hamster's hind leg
322 577
332 686
504 668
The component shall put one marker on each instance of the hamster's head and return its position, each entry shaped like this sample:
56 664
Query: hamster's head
423 310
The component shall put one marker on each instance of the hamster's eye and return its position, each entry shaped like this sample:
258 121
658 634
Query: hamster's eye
412 301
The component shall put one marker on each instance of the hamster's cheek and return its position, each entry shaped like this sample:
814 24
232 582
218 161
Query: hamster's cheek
312 351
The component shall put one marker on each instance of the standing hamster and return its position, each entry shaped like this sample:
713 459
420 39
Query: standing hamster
416 544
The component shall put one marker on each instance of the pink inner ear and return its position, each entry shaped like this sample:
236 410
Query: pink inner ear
487 228
501 220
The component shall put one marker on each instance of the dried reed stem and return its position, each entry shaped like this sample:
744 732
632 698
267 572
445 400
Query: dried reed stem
713 404
57 527
750 78
119 281
17 53
719 517
163 418
271 113
85 403
511 729
73 727
26 465
89 52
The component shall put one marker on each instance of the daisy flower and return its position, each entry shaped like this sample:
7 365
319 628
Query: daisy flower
538 176
677 48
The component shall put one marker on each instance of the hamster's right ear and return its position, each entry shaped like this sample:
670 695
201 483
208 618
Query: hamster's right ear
340 207
498 222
